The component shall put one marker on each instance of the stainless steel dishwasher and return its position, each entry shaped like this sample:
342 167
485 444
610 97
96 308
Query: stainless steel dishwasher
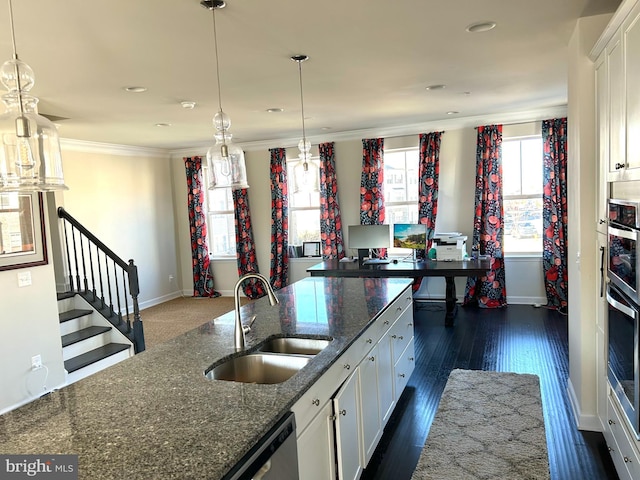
275 457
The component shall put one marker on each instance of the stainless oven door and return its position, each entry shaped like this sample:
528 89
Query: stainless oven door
623 261
623 358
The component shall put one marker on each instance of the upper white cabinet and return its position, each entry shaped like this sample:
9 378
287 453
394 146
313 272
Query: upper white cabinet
602 140
631 43
617 132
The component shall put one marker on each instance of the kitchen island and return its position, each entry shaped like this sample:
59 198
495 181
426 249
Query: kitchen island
155 415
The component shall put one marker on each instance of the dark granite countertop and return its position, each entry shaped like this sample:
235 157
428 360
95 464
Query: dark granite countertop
155 415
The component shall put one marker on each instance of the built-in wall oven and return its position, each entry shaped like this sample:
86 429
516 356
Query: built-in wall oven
623 311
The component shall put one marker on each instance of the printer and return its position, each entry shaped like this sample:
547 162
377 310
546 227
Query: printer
450 246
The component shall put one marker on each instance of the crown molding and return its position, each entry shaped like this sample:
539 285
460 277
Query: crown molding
111 148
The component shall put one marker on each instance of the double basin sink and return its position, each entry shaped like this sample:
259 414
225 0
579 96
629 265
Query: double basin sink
274 361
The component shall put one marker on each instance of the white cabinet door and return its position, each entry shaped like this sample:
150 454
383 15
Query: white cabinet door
369 404
631 42
602 139
345 405
617 147
315 447
386 383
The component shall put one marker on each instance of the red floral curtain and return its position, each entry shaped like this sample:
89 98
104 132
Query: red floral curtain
245 246
372 185
429 170
202 278
279 218
488 233
330 221
554 213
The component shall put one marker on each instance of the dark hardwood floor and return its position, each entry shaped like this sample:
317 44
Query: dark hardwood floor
518 338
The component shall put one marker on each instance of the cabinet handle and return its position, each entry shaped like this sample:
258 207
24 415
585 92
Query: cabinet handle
401 375
400 337
386 322
347 366
369 340
316 401
394 336
372 359
411 359
620 166
602 221
343 412
410 324
611 422
626 460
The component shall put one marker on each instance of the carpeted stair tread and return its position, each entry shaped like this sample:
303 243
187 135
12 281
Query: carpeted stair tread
75 313
83 334
76 363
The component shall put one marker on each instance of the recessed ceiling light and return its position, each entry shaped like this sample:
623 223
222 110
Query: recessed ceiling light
481 27
452 112
275 110
188 104
163 124
135 89
436 87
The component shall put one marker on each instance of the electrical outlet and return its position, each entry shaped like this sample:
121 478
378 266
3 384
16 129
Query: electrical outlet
36 362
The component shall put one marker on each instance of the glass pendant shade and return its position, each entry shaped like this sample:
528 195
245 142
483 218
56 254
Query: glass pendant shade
30 158
306 176
225 159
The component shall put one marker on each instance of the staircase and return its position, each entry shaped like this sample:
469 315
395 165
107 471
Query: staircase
99 316
90 342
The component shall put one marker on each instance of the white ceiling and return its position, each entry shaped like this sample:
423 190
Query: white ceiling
370 61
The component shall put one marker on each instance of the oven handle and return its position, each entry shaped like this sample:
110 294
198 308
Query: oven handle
628 234
628 311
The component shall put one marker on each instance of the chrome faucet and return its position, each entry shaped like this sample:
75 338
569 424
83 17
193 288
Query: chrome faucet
239 331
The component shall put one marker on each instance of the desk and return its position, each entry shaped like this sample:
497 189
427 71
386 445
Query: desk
427 268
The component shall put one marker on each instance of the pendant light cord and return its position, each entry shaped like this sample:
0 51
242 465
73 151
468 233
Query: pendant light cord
24 125
304 136
215 49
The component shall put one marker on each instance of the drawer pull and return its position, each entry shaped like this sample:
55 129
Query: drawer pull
400 337
347 366
411 359
401 375
394 336
620 166
386 322
626 460
398 309
611 422
343 412
373 359
316 401
369 340
410 324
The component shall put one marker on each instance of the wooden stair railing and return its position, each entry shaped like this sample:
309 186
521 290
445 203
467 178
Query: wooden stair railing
103 279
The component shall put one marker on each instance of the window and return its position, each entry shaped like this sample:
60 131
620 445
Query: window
304 210
221 232
522 192
401 186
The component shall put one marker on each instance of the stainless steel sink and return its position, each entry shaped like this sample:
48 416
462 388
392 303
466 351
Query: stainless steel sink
265 368
294 346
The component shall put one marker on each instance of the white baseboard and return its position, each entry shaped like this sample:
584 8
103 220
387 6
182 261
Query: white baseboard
583 421
30 399
158 300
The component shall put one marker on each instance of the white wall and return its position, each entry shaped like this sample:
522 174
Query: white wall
455 209
125 198
29 326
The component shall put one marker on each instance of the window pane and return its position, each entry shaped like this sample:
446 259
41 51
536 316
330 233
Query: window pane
532 166
523 225
511 168
222 234
304 226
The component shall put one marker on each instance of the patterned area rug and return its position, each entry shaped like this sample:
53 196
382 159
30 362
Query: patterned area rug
489 425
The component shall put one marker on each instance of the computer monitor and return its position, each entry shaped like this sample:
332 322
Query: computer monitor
410 235
366 237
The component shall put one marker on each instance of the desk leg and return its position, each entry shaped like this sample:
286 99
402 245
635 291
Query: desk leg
450 301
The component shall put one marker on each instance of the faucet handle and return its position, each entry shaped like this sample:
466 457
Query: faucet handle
247 328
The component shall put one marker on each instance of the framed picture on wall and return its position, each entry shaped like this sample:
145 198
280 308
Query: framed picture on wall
22 231
310 249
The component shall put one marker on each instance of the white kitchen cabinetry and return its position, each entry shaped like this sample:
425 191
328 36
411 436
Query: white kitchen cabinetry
617 148
356 396
602 141
345 406
631 43
623 448
315 446
602 383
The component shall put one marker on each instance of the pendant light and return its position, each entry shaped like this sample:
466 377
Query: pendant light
30 158
306 174
225 159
